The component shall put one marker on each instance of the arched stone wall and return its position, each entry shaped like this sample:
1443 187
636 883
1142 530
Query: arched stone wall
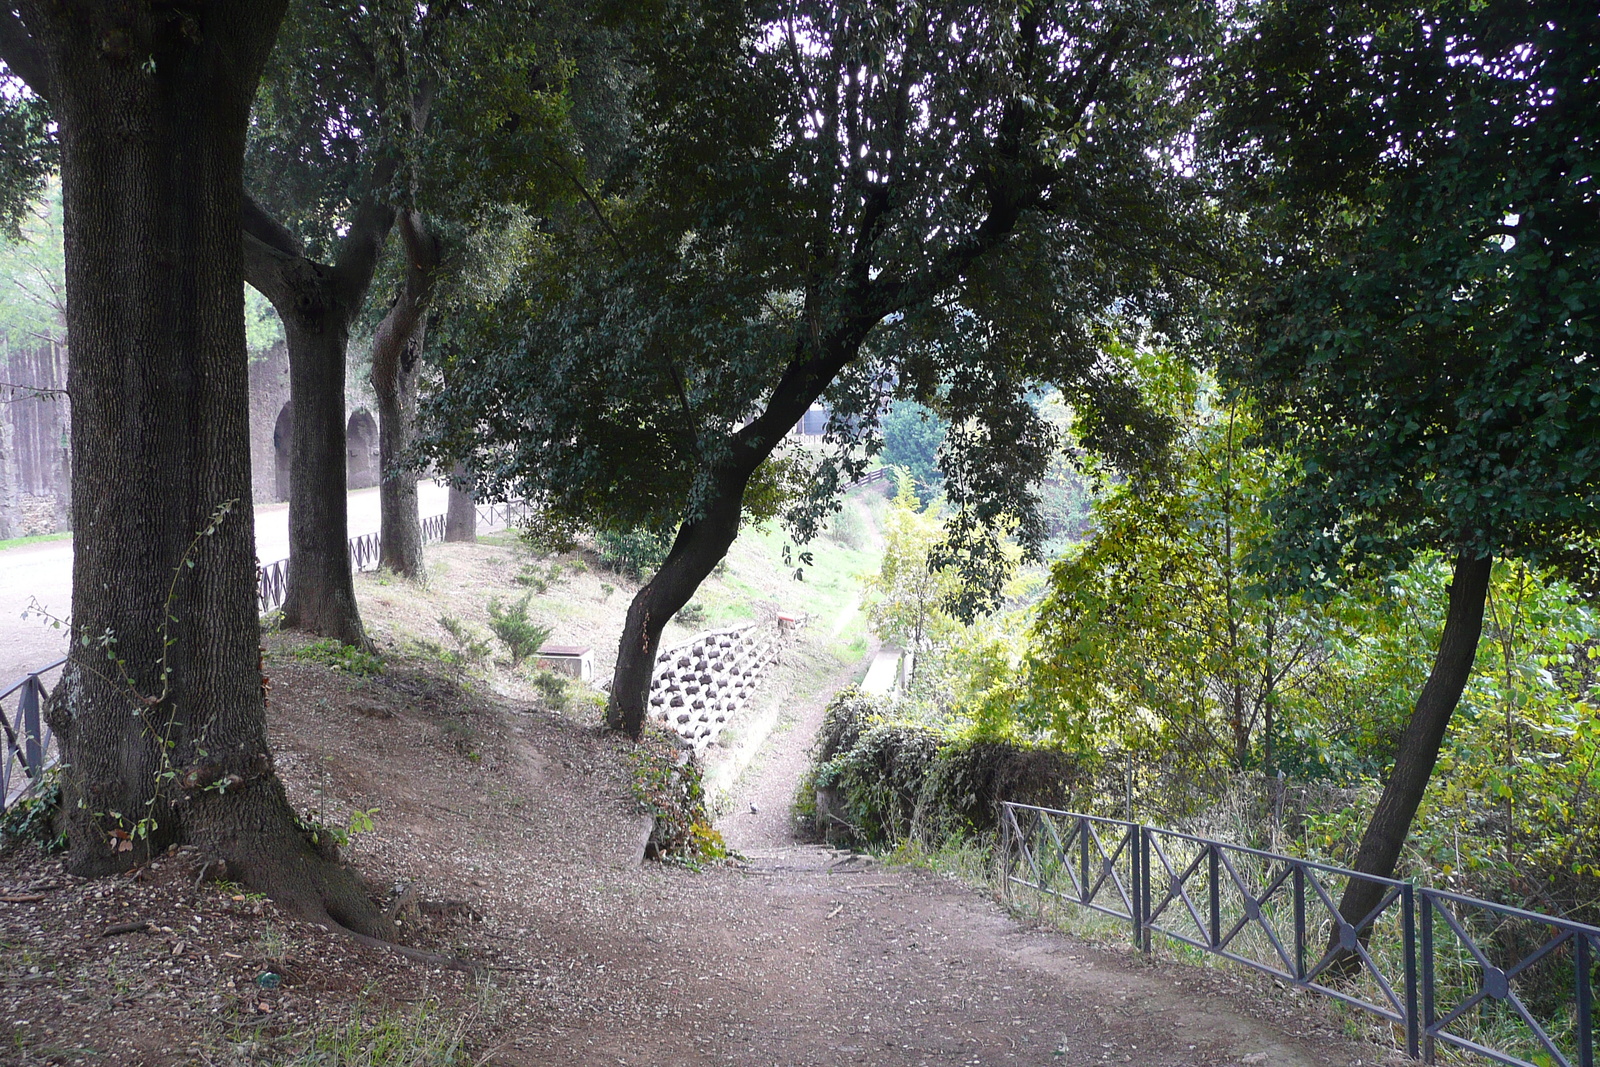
280 452
361 451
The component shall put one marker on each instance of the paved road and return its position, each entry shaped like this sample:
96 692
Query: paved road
44 572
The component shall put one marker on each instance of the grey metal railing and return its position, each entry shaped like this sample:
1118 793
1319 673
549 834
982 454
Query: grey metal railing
1510 985
272 579
27 736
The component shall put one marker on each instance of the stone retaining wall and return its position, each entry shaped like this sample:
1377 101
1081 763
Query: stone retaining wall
699 686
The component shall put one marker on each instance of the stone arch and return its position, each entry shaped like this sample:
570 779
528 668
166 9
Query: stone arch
361 451
281 432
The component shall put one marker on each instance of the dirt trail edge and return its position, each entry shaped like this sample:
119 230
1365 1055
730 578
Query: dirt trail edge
839 960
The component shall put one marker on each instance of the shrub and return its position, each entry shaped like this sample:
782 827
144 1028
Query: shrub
692 614
33 818
341 657
521 635
669 786
554 688
633 552
879 778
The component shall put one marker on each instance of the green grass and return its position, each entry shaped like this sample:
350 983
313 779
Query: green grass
18 542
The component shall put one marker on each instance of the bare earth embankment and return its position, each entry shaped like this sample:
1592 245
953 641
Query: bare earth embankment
508 835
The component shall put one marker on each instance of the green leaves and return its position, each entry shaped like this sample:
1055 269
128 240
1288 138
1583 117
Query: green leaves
1422 323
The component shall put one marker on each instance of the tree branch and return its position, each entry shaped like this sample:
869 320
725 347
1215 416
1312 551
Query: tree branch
23 55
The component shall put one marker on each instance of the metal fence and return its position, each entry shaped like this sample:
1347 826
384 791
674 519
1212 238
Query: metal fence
1510 985
27 736
28 749
272 579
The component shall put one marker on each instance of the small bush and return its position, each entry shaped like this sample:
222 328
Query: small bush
554 688
692 614
669 786
634 552
33 818
341 657
848 528
471 646
520 634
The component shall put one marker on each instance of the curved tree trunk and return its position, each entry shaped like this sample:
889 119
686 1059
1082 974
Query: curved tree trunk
701 544
317 303
396 364
461 514
1386 831
160 712
696 551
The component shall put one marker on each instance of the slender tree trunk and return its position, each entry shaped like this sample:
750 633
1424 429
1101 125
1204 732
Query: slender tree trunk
701 544
317 303
396 364
159 711
696 551
461 514
320 597
1386 831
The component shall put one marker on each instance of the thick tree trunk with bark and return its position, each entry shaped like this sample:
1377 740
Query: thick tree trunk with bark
160 714
396 364
696 551
1386 832
461 513
702 543
317 303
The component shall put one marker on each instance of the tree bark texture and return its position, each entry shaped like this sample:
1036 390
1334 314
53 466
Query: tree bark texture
461 513
160 709
396 364
702 542
1386 831
317 304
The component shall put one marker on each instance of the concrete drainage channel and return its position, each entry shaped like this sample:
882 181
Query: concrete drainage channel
702 684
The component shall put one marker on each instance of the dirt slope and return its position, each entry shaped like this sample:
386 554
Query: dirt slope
510 831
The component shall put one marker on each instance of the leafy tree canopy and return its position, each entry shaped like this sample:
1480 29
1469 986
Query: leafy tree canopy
960 199
1424 337
27 151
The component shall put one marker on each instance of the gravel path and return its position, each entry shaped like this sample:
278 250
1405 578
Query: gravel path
836 959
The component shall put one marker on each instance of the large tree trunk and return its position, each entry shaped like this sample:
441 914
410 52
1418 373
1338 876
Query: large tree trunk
396 364
317 303
159 712
1419 744
461 514
320 596
698 548
701 543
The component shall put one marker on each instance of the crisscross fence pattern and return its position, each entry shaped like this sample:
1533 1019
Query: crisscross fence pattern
272 579
1508 985
28 748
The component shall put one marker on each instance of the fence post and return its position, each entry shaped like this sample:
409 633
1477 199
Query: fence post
1216 897
1083 860
1584 957
1408 918
1005 849
1299 922
1427 978
32 736
1143 924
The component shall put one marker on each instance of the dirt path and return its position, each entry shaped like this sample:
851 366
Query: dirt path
521 823
843 960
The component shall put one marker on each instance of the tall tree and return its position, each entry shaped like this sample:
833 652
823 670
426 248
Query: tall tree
397 349
945 200
159 711
432 116
322 158
1423 332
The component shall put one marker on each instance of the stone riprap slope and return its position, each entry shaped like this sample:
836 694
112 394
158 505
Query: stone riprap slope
702 684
